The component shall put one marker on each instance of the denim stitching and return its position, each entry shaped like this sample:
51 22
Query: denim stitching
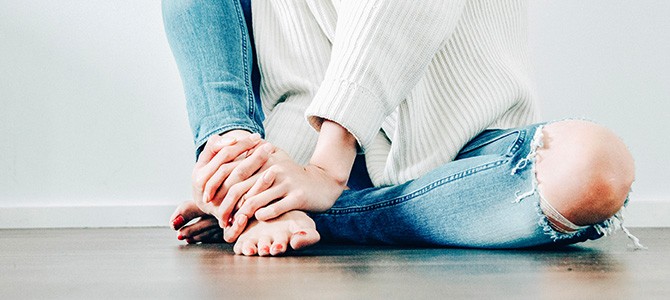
247 76
519 142
443 181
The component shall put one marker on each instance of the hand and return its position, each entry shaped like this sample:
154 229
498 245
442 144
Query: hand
283 187
218 161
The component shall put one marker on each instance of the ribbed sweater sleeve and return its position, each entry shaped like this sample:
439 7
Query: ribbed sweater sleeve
380 51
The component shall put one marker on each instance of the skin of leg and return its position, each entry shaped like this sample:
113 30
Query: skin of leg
584 171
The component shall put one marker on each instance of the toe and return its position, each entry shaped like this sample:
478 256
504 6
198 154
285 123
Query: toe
279 244
207 236
264 244
184 213
237 248
303 238
199 227
249 247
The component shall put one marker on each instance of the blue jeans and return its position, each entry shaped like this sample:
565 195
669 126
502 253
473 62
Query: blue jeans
215 55
470 202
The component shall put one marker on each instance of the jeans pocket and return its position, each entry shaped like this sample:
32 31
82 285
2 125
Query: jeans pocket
493 142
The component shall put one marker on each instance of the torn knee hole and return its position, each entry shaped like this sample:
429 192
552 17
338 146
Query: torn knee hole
556 220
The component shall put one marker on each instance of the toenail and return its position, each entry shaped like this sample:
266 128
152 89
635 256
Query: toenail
301 232
279 247
178 222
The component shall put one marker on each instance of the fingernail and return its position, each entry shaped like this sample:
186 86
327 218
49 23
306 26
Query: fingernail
190 241
241 219
267 177
178 222
255 137
205 197
227 141
180 237
268 148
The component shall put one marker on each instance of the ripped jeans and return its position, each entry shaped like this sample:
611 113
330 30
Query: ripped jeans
485 198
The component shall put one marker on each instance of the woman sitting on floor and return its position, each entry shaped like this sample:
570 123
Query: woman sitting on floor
386 122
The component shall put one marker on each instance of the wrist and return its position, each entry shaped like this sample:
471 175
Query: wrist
335 152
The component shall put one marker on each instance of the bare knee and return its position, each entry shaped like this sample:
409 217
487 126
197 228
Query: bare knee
584 171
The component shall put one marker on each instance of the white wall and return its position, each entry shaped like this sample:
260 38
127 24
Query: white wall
93 126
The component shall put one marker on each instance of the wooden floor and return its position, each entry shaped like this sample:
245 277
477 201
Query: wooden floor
149 263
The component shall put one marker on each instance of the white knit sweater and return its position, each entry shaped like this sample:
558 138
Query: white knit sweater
413 81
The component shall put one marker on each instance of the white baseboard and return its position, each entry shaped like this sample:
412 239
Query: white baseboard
86 216
638 214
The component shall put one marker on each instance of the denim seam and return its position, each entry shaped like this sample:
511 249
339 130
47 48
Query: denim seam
519 142
247 74
425 189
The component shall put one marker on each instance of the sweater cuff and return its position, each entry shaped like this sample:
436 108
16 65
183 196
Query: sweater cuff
352 106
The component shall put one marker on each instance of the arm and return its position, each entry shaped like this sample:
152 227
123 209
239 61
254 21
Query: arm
380 51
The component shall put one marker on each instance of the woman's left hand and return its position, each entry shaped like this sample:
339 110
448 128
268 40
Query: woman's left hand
283 187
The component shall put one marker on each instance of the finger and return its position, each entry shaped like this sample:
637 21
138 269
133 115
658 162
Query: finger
215 182
231 152
254 204
235 228
184 213
261 185
212 147
249 166
276 209
232 197
198 227
225 155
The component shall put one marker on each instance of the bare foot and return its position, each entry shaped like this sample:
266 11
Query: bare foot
205 230
273 237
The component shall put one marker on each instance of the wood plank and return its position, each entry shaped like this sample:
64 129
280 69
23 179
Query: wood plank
151 263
